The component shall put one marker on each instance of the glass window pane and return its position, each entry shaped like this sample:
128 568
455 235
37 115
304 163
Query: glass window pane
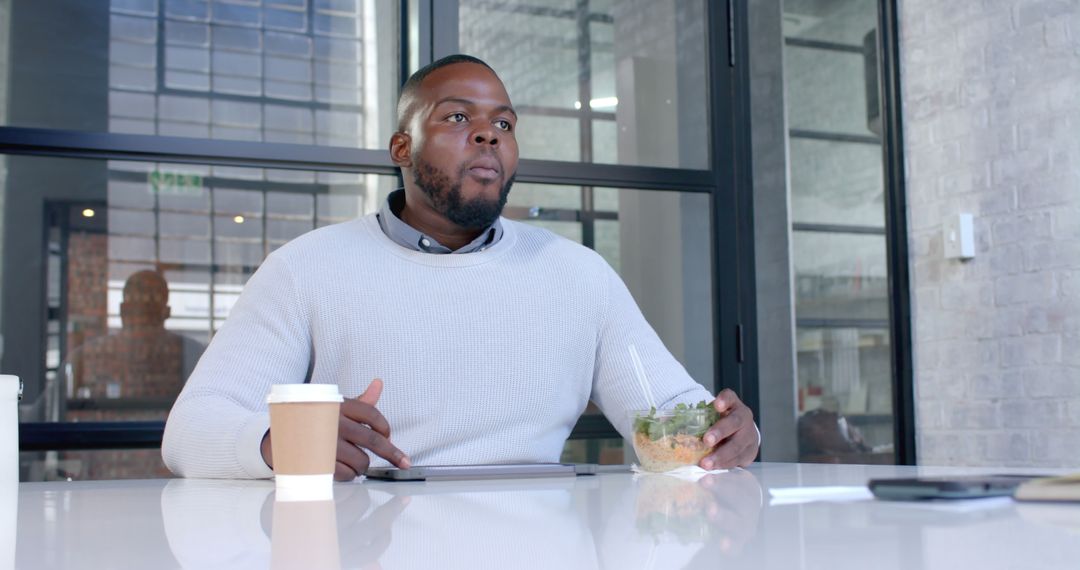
845 395
236 71
545 196
833 89
836 183
598 451
840 276
91 465
819 199
839 22
619 90
141 261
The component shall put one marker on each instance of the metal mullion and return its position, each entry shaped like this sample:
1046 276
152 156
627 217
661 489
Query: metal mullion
167 238
157 227
65 234
584 111
129 260
261 99
542 11
585 134
615 176
197 265
556 214
213 261
444 28
834 323
233 183
823 45
149 148
311 33
733 282
833 137
897 233
404 13
837 229
212 152
424 40
159 75
53 436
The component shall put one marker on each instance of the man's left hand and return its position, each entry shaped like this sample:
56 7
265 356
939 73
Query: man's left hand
735 433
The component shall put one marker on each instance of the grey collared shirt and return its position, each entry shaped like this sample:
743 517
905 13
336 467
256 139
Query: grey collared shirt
406 236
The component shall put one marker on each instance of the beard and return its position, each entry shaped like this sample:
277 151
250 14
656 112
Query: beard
446 198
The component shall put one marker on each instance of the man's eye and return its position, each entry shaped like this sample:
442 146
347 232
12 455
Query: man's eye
457 118
504 125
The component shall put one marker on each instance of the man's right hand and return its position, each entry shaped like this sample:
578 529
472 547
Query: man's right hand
360 427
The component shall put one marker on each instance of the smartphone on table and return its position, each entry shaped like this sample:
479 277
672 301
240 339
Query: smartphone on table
947 487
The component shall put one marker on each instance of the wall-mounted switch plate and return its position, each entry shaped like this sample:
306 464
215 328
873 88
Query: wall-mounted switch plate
959 236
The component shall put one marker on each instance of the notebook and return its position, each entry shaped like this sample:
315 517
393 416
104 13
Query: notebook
1065 488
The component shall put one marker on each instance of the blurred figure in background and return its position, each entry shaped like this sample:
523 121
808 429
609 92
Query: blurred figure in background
133 374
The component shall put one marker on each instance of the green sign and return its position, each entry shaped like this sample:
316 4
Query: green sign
175 183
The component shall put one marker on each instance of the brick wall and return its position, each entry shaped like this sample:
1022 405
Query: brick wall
991 103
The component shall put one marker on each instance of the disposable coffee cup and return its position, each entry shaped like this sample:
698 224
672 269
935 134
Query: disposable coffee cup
303 439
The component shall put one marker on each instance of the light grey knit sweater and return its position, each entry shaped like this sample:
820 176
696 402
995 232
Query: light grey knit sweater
486 357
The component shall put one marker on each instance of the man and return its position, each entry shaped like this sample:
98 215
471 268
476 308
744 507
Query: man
491 335
142 359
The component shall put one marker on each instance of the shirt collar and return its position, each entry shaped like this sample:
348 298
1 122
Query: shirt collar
406 236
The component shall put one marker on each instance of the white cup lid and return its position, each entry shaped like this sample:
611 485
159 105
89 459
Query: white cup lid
290 393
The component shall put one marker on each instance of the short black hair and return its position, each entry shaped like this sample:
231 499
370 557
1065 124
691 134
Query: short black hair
408 91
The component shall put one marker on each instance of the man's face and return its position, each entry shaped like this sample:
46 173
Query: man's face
464 151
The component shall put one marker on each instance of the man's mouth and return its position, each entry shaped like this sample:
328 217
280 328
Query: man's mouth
485 168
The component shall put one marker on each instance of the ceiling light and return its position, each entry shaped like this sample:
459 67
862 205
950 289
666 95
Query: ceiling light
603 102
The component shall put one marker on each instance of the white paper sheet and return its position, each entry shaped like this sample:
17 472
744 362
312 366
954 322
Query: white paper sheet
799 495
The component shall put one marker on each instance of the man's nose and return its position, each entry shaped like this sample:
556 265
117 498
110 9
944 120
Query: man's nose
485 136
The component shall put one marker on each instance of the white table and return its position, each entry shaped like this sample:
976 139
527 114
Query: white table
610 521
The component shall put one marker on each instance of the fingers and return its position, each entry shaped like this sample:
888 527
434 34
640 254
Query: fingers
343 472
363 427
737 451
365 413
351 461
358 436
371 395
738 417
734 432
726 400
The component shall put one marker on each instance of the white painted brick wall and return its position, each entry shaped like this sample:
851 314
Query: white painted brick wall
991 106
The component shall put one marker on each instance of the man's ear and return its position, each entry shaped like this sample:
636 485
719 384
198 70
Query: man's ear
401 149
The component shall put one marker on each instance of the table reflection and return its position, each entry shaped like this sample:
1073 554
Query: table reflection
9 519
610 521
304 536
678 522
651 522
217 523
538 523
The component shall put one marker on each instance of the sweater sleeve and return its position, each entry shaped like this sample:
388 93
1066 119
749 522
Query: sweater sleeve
216 426
615 387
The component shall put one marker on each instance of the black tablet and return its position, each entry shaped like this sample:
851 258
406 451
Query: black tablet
489 471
